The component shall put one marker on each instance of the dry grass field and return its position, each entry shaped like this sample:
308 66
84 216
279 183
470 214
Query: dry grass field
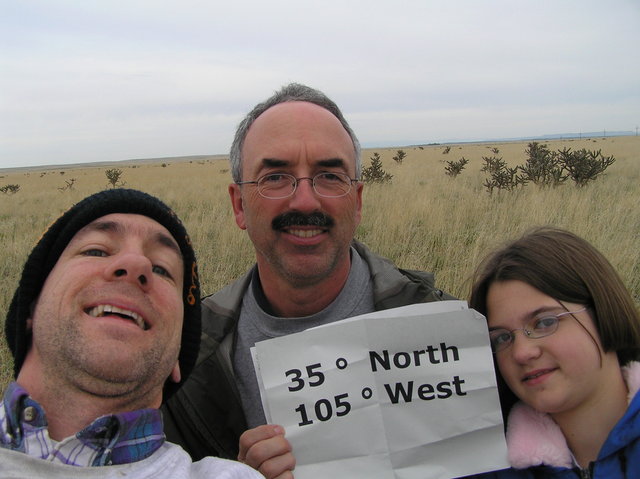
422 220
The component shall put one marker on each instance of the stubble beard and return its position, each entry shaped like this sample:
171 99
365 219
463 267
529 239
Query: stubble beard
101 369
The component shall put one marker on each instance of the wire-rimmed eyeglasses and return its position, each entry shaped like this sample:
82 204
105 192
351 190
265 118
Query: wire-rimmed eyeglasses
538 327
282 185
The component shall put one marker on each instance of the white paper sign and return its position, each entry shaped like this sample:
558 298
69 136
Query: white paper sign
403 393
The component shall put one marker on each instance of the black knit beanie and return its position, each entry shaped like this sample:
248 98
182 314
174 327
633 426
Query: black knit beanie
45 255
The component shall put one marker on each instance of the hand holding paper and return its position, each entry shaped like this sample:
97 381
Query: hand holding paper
402 393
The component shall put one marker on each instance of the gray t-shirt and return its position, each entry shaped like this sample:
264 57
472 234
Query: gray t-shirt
255 324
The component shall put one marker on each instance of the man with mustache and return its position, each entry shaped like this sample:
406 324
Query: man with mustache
297 192
104 326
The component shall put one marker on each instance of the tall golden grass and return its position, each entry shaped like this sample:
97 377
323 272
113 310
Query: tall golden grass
422 220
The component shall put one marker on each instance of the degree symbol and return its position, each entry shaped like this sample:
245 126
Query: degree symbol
367 393
341 363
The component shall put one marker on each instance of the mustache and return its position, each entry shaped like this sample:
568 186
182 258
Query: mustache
294 218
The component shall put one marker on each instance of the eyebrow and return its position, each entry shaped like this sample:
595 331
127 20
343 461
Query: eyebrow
273 163
332 162
327 163
169 242
532 314
115 227
544 309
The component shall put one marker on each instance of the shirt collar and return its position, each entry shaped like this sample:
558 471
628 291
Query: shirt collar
111 439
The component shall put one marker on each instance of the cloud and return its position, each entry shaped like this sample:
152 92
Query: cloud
89 81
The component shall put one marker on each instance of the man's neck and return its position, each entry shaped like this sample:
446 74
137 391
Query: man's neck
288 300
71 409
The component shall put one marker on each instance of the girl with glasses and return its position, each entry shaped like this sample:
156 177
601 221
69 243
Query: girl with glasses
566 339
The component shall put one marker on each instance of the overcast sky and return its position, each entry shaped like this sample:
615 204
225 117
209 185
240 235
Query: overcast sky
102 80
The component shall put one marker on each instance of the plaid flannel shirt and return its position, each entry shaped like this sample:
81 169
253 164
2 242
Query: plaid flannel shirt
112 439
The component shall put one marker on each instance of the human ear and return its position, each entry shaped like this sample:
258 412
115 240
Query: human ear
235 194
359 187
175 373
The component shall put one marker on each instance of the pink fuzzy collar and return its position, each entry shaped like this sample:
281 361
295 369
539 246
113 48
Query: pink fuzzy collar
533 438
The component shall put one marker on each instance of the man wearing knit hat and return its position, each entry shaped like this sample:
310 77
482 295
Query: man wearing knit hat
104 325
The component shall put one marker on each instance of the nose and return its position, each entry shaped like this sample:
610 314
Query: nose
132 267
305 197
524 348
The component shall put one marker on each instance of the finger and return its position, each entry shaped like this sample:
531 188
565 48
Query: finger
253 436
265 450
278 467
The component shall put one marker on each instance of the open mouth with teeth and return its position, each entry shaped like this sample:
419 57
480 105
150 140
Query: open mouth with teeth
304 233
103 310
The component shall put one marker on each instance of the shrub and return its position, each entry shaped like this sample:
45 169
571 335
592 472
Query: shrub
68 185
400 155
584 165
375 173
446 150
113 176
543 167
500 175
454 168
10 189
